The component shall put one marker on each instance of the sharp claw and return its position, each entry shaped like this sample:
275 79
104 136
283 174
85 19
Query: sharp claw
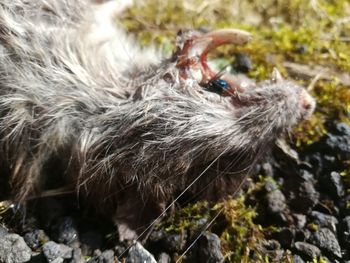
197 45
227 36
193 49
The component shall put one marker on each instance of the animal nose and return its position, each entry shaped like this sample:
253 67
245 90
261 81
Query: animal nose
307 102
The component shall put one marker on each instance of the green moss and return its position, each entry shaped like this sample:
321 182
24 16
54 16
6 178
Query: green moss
320 260
241 236
186 219
241 239
313 227
310 131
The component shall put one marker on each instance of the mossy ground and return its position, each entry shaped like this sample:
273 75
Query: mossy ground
315 34
233 223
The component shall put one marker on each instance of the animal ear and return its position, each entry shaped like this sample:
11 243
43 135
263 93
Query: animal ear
276 76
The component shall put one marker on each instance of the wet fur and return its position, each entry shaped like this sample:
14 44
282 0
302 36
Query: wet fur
116 123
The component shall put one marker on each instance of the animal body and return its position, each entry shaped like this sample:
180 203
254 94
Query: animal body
82 107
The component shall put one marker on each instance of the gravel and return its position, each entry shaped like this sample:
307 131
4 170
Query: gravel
309 251
138 253
324 220
327 241
13 249
209 249
58 252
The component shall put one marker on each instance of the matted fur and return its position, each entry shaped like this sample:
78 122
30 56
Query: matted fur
117 123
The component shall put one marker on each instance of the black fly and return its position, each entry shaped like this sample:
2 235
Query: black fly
218 85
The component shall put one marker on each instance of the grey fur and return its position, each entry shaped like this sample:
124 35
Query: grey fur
121 125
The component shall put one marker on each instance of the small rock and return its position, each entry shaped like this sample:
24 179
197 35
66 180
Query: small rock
138 253
157 236
339 145
324 220
327 241
306 197
276 202
242 63
209 248
3 232
105 257
302 49
174 242
53 251
97 253
321 162
201 223
35 238
300 220
298 259
316 161
77 256
269 245
342 129
270 186
278 255
169 242
306 175
346 231
13 249
285 236
65 231
267 169
205 29
335 185
120 250
307 250
164 258
308 194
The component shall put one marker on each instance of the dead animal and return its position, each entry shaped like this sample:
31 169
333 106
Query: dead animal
84 108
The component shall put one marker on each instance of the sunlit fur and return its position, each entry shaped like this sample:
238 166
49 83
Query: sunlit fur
116 122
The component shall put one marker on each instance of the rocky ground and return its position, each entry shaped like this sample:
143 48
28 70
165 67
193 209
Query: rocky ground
303 209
